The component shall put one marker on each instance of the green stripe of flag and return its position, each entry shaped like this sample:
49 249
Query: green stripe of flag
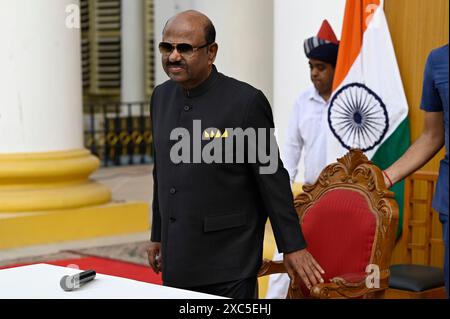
390 151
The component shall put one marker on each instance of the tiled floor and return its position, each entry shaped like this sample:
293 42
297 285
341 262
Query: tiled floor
131 183
64 250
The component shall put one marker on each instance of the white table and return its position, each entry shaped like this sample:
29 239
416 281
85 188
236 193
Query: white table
41 281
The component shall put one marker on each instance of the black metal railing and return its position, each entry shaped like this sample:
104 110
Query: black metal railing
119 133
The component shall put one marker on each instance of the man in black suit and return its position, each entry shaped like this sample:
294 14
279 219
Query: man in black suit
209 216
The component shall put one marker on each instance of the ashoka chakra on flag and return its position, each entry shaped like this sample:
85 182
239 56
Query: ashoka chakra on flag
358 117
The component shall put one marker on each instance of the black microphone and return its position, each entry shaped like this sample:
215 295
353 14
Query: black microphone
69 283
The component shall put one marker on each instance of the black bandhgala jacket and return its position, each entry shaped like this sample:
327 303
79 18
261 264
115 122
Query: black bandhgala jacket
210 218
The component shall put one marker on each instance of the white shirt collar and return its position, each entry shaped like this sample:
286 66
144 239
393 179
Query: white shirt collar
314 95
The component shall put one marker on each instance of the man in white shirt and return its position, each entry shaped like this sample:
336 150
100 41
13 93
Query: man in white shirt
308 125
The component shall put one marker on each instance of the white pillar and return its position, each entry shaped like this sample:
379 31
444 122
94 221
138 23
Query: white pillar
244 34
40 78
133 52
43 163
295 21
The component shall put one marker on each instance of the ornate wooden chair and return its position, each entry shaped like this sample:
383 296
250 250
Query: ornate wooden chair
417 278
349 219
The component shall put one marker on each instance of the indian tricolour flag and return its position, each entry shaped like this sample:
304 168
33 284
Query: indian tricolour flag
368 109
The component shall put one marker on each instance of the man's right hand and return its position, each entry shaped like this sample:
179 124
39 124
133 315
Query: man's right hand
301 264
154 256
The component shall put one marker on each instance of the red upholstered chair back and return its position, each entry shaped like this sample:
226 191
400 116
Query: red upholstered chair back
349 219
340 229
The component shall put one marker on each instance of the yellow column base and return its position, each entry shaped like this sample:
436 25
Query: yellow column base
48 198
25 229
48 181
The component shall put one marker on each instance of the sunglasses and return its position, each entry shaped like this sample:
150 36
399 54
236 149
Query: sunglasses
185 49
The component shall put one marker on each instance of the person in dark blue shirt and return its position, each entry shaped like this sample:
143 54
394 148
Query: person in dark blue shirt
434 136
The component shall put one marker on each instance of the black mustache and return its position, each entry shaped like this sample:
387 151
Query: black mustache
178 64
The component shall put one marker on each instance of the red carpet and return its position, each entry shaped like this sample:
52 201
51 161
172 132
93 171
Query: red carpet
108 267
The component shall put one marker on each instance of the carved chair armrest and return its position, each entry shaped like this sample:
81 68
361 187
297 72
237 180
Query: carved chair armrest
350 286
270 267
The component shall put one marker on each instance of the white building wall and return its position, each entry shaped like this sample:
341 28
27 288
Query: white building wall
244 35
295 21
